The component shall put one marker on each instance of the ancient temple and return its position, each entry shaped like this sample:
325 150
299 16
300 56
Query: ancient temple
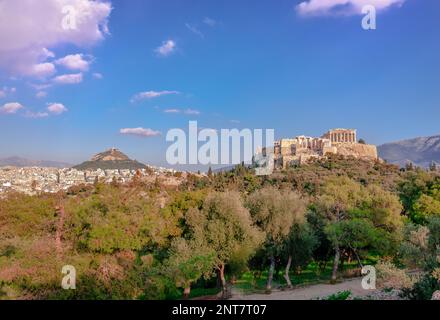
336 141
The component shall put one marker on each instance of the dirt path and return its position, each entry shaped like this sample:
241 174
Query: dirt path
309 292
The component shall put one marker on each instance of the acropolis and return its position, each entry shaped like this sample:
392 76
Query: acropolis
336 141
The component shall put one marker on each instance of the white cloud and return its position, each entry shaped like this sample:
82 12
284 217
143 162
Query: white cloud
41 87
11 108
41 94
167 48
234 121
74 62
152 95
69 78
140 132
347 7
210 22
6 91
28 28
98 76
172 111
191 112
185 111
56 108
36 115
42 70
194 30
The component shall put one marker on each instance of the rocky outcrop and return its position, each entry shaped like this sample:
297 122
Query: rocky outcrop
357 150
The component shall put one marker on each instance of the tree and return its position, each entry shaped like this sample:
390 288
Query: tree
362 141
355 234
340 195
299 248
225 227
421 248
275 212
354 212
428 204
188 262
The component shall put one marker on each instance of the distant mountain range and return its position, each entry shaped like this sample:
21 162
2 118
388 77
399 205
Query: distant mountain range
112 159
420 151
22 162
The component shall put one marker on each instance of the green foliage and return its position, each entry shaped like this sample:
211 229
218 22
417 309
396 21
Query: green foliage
301 244
145 241
188 262
421 248
342 295
112 220
275 212
224 226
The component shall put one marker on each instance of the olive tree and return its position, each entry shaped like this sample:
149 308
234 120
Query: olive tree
275 212
224 227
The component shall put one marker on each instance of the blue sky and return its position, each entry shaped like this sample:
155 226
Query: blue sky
226 64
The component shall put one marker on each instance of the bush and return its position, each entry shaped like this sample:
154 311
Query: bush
342 295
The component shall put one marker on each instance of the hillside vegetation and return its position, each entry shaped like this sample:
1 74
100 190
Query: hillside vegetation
144 240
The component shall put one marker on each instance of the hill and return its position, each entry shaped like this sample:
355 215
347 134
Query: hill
111 159
420 151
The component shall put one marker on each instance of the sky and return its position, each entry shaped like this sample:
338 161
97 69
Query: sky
123 73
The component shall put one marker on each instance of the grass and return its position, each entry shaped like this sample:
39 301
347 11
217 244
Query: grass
310 275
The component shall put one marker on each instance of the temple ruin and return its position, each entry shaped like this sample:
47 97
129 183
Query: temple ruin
336 141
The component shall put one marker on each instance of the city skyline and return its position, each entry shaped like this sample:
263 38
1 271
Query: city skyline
134 70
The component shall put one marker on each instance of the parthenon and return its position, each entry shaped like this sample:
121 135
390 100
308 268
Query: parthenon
341 135
335 141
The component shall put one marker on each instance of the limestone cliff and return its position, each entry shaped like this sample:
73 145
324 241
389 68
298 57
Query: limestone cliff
357 150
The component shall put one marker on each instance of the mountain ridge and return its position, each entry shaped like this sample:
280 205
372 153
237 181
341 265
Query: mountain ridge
421 151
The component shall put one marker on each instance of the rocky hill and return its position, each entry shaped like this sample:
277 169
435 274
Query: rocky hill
111 159
22 162
420 151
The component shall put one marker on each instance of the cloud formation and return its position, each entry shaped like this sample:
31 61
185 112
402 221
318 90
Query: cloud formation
167 48
29 29
98 76
191 112
56 108
344 7
74 62
184 111
210 22
36 115
74 78
5 91
41 94
172 111
194 30
11 108
140 132
152 94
